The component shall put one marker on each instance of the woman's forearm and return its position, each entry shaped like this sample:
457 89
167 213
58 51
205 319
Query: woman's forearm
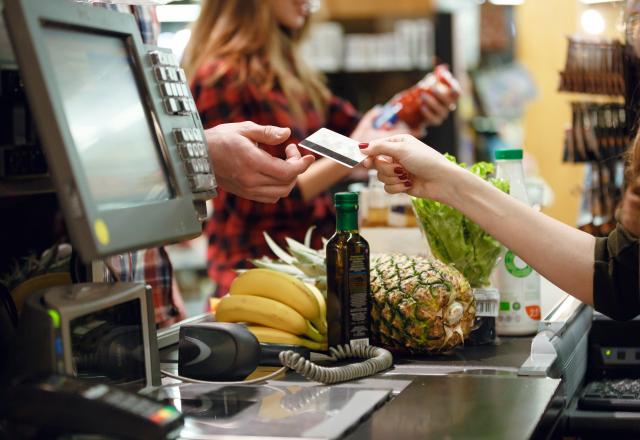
562 254
321 176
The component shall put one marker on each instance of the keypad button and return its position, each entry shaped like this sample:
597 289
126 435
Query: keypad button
155 57
182 76
171 105
166 90
185 90
173 75
176 89
209 183
161 73
179 134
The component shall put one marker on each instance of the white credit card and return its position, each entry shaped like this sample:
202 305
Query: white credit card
335 146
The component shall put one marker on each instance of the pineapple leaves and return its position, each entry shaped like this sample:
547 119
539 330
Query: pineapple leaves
280 253
307 236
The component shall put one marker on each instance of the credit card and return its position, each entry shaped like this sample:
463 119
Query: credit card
335 146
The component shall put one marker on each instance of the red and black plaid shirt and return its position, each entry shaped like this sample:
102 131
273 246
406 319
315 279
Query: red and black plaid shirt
235 229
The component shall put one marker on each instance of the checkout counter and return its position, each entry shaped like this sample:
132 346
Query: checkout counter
519 388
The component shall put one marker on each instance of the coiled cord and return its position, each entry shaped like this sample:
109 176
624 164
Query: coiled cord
377 359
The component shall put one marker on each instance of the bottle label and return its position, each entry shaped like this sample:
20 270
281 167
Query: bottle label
515 266
358 298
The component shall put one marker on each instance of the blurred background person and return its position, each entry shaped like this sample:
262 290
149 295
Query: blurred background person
243 64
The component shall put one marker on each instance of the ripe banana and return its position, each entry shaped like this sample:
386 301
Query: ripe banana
321 322
264 311
280 287
275 336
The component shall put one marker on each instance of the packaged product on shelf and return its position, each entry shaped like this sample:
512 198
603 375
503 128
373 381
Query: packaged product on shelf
376 213
401 212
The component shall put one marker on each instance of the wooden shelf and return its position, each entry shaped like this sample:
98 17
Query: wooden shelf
366 9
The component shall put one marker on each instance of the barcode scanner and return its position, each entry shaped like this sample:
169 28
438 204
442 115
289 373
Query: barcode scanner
217 351
220 352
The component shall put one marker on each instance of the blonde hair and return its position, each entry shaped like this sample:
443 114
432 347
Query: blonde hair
246 35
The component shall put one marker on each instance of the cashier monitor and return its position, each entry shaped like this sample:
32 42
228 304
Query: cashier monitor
112 139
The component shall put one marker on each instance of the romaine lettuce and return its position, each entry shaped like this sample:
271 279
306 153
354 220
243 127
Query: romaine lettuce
456 240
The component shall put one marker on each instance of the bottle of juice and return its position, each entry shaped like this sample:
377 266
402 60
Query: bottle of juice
517 282
406 105
348 286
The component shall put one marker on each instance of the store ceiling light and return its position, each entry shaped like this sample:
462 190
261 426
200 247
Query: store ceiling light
178 13
506 2
592 22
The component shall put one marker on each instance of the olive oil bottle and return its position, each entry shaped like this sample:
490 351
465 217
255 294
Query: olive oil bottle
348 285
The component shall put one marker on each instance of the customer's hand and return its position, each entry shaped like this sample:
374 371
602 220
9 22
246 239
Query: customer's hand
629 214
436 105
405 164
366 132
243 169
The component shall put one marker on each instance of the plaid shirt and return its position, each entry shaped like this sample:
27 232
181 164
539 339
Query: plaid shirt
235 229
150 266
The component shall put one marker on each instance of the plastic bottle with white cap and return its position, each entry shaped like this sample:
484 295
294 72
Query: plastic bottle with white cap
517 282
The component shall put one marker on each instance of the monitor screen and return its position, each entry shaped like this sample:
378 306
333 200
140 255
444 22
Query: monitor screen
111 129
107 344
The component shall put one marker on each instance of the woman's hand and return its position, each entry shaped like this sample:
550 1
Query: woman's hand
405 164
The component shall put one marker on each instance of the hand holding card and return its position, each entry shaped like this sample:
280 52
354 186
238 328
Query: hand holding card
334 146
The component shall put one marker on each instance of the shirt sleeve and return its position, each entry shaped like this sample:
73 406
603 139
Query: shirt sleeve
616 290
342 116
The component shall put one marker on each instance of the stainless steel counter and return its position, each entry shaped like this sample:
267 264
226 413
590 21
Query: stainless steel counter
464 406
472 393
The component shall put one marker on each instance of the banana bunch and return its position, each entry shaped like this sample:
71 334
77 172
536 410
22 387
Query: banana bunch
278 308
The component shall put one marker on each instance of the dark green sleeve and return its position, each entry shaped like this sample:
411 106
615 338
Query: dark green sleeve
616 292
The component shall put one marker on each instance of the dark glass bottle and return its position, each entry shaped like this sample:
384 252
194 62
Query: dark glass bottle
348 285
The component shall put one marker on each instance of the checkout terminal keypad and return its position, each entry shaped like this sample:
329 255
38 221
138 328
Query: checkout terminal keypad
190 140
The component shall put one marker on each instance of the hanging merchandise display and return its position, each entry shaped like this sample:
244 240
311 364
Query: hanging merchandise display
593 66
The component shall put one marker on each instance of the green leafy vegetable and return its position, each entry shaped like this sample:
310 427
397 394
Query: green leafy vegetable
456 240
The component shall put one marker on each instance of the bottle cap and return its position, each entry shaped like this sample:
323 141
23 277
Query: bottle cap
509 154
346 200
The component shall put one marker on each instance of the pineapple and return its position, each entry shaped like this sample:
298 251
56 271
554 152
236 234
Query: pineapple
419 304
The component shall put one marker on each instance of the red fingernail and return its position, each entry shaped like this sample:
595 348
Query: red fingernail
363 145
408 184
399 171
